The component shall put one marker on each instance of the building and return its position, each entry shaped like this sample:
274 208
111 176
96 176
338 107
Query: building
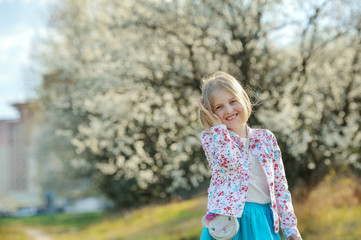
18 168
23 172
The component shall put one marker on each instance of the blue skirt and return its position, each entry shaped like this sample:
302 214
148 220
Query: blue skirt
256 223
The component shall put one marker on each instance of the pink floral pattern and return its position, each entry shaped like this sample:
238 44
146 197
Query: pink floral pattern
228 161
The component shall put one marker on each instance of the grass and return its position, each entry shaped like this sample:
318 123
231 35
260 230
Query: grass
13 232
13 228
64 220
332 211
153 222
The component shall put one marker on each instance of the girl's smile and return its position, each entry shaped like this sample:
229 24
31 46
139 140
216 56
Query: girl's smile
232 117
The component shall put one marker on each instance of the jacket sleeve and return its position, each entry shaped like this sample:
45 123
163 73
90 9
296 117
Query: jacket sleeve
282 194
218 147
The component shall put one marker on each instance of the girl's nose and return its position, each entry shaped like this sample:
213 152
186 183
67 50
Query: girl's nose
228 108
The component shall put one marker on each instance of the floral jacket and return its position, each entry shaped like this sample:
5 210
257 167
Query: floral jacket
229 165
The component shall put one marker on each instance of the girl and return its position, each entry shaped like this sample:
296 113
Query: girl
248 179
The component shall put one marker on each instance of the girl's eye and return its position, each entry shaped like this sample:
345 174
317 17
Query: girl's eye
218 107
233 101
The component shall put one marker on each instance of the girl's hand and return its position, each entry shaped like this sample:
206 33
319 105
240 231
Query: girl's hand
295 237
213 118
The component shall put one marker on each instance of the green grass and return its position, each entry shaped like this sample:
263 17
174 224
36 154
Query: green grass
172 221
52 224
332 211
64 220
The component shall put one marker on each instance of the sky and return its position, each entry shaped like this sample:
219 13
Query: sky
21 21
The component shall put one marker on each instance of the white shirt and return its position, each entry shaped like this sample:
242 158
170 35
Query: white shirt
258 190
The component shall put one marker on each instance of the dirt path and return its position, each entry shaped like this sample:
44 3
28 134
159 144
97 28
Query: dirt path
37 234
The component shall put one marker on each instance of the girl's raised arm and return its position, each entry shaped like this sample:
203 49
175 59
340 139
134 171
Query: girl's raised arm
217 144
218 147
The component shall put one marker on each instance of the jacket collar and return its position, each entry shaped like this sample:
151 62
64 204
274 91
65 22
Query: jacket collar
237 139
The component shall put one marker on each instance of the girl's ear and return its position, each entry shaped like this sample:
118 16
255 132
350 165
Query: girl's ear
205 222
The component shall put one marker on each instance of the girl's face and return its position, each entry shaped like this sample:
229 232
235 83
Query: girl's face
228 109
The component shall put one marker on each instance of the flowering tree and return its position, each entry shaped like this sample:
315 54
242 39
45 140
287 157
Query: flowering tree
123 80
317 110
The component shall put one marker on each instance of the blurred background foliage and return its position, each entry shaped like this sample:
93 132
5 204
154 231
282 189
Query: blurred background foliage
121 81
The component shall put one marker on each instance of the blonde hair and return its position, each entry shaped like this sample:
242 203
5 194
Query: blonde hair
221 80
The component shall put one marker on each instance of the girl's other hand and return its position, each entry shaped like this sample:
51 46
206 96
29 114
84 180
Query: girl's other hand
295 237
213 118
